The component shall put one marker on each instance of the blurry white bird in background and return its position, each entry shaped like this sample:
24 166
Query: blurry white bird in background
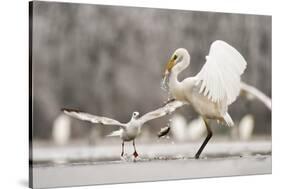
61 130
213 89
196 129
178 126
130 130
183 131
246 127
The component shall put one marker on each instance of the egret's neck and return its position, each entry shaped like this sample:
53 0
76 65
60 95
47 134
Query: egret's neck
173 80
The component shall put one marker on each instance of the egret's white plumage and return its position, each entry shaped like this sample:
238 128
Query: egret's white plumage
220 76
130 130
215 87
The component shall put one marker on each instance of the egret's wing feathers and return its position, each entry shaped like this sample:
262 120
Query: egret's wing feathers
164 110
220 76
92 118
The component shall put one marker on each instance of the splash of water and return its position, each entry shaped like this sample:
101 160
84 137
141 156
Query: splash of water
165 83
165 86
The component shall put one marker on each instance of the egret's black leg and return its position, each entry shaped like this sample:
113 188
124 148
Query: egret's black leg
122 153
210 134
135 152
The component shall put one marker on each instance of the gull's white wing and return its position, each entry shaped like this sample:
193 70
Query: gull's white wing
92 118
220 76
162 111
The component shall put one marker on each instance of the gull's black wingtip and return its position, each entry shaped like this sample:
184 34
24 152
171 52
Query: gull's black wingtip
69 110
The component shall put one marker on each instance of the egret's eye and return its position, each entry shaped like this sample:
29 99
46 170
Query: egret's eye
175 57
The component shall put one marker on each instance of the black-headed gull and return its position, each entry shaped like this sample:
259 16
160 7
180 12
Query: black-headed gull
130 130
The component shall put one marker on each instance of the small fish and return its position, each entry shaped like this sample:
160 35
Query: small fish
164 131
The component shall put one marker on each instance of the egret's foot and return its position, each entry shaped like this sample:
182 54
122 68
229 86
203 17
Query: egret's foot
197 155
135 154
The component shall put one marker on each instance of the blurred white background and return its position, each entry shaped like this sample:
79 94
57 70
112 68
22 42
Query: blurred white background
14 58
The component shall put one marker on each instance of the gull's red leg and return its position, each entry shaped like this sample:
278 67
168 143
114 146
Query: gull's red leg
135 152
122 153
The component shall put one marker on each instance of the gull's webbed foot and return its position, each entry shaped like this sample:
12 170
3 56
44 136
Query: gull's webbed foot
135 154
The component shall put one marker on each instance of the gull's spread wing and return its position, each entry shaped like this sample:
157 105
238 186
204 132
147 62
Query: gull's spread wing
164 110
220 76
91 118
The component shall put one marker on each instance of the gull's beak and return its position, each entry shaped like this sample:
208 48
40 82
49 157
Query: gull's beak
169 67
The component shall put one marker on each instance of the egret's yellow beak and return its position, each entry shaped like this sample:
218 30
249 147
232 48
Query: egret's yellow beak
169 66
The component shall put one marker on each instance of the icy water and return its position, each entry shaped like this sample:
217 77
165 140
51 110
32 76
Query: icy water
87 173
130 158
86 166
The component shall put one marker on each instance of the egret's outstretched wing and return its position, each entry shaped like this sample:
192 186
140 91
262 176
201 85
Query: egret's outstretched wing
164 110
92 118
220 76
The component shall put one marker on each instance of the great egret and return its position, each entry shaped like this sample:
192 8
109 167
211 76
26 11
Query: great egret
130 130
213 89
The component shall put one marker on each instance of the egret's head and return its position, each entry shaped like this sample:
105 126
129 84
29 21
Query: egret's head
177 57
135 115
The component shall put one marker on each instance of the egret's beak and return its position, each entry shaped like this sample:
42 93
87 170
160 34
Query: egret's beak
169 67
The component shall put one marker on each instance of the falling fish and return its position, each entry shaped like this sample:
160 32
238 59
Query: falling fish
164 131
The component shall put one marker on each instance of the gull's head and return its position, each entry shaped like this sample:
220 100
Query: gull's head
135 115
176 57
